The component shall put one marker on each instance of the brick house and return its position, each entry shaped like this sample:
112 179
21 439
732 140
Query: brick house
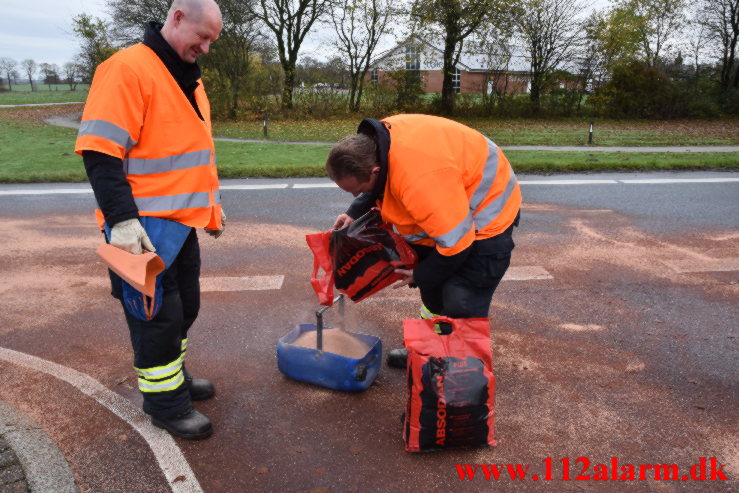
474 74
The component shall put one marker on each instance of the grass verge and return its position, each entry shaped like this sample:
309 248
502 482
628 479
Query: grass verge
21 94
36 152
564 132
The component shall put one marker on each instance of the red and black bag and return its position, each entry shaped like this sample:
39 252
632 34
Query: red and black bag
360 259
451 386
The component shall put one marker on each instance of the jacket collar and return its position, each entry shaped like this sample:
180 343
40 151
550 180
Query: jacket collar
379 131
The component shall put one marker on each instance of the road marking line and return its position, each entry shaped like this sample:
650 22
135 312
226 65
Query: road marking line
708 265
680 180
315 185
526 273
254 187
568 182
46 192
245 283
168 455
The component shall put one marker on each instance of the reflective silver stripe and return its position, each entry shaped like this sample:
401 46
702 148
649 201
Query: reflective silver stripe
165 385
478 196
107 130
137 166
217 197
173 202
488 177
160 371
426 313
448 240
495 207
415 237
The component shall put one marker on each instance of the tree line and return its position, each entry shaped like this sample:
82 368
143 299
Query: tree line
633 58
50 73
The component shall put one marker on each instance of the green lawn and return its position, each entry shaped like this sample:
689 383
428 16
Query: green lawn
36 152
564 132
59 93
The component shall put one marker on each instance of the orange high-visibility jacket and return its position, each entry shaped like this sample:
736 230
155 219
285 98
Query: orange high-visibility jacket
447 184
137 112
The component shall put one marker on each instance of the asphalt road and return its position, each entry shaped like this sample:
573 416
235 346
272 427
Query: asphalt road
615 336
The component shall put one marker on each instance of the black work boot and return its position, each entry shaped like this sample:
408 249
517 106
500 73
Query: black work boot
190 425
397 358
200 388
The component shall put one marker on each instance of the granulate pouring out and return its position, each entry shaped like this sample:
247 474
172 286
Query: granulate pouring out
335 341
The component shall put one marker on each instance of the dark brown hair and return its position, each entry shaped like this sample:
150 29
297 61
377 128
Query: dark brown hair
354 155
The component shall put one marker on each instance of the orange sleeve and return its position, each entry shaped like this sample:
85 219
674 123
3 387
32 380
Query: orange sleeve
114 111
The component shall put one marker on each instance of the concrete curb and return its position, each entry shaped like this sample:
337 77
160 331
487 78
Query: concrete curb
46 470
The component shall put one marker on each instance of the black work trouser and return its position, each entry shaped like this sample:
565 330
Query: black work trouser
158 342
469 291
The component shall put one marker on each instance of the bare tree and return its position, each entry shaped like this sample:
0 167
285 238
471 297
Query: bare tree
721 18
232 56
494 49
131 17
454 21
289 21
657 22
50 73
71 71
550 30
29 68
359 25
7 68
228 64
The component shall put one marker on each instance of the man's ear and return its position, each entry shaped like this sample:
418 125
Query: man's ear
375 170
178 16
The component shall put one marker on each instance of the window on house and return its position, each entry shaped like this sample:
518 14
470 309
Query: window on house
412 58
412 65
456 80
374 77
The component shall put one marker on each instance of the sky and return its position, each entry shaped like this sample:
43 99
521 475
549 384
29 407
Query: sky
42 29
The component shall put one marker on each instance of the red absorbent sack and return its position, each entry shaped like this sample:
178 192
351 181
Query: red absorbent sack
451 386
359 260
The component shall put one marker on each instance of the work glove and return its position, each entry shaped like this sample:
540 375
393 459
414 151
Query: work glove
216 233
130 236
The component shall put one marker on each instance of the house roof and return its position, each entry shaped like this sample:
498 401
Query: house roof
470 62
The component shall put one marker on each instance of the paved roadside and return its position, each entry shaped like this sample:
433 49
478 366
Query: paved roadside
30 461
72 121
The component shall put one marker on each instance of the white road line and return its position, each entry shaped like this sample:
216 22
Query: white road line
168 455
680 180
526 273
46 192
254 187
245 283
729 264
568 182
316 185
285 186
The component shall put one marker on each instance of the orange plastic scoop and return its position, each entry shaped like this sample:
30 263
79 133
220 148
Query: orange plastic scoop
140 271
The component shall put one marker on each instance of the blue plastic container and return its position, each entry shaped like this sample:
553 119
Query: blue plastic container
329 369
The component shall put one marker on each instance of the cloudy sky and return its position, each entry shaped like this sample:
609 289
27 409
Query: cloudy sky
42 29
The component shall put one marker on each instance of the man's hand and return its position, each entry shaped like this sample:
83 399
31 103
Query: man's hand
130 236
343 221
408 279
216 233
